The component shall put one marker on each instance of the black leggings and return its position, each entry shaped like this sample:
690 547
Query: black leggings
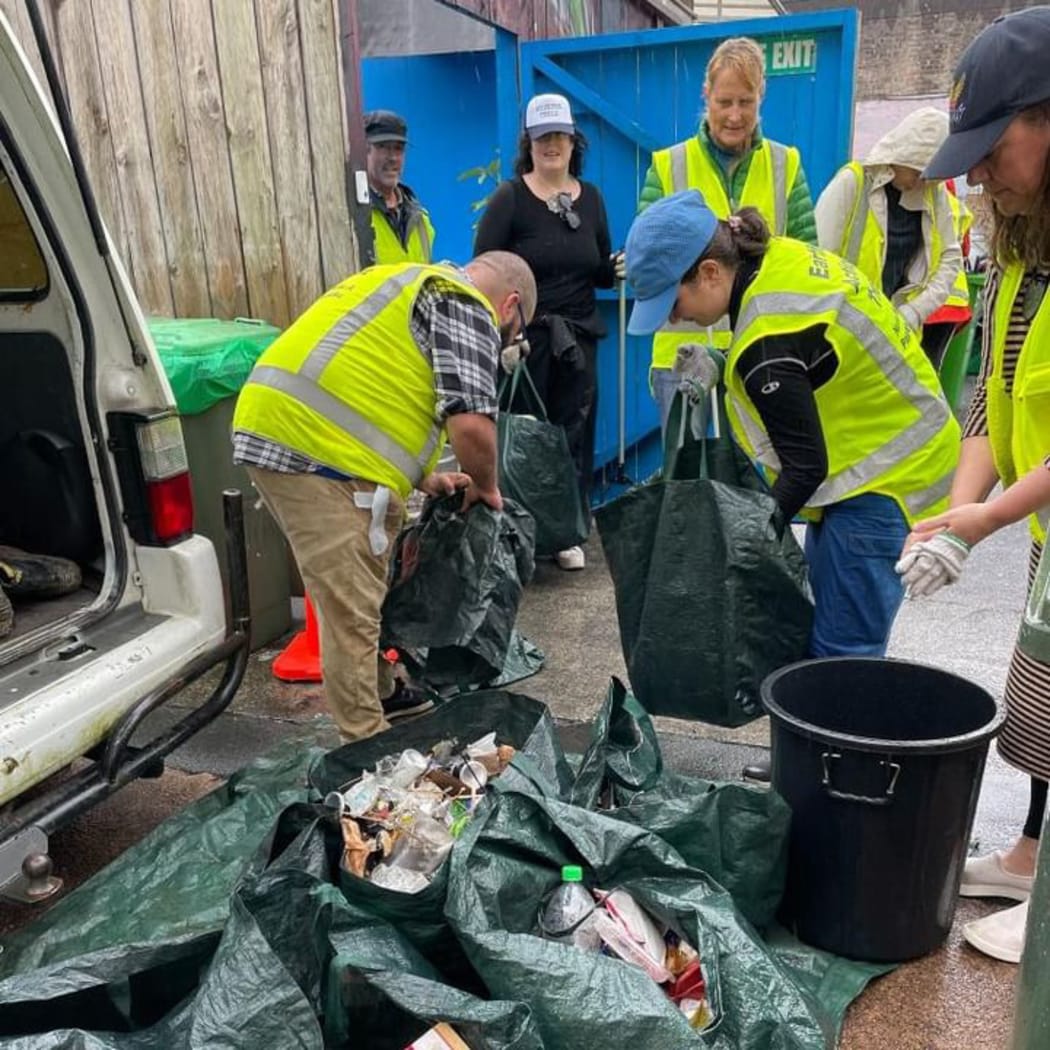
1036 810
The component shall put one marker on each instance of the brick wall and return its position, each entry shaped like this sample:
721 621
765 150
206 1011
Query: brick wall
910 47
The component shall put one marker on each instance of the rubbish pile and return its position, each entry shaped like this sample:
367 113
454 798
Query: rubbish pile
613 923
400 821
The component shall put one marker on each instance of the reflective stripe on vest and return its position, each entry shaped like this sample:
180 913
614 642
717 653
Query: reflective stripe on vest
348 387
1019 421
962 220
875 349
344 417
687 165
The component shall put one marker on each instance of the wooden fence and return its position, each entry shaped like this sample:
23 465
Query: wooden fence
214 135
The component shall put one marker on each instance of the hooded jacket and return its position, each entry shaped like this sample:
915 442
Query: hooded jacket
911 144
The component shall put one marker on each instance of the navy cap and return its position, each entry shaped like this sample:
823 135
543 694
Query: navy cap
1005 69
663 242
384 125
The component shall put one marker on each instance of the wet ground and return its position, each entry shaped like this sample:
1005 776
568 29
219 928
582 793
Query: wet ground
953 999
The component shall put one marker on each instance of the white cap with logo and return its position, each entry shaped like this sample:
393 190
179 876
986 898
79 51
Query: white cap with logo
547 113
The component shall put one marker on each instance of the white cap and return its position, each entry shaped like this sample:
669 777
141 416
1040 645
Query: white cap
547 113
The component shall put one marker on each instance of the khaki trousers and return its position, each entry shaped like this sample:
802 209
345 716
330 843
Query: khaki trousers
346 583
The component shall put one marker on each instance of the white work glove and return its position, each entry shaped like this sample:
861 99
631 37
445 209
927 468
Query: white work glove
931 564
513 354
619 261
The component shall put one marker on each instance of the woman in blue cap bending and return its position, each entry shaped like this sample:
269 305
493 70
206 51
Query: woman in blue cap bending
827 389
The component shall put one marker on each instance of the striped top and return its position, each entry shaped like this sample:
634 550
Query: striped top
977 417
1025 739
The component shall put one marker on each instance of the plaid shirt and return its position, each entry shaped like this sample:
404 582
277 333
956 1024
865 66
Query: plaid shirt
456 334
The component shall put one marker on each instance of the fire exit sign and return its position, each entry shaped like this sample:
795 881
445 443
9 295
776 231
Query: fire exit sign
790 54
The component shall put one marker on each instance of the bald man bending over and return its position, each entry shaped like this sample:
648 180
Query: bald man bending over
348 411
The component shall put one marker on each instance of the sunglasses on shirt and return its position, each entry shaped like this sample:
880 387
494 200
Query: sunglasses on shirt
561 205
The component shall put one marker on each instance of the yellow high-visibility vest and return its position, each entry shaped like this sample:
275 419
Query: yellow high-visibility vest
348 387
864 240
687 165
886 425
388 248
1019 421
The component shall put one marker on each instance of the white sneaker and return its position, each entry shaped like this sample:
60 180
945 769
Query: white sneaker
986 877
570 560
1000 935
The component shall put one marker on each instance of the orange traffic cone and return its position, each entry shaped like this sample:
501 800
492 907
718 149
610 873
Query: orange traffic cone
300 660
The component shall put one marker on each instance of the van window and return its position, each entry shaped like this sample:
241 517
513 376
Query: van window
23 274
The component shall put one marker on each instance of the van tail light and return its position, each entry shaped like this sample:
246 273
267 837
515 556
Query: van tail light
154 476
165 470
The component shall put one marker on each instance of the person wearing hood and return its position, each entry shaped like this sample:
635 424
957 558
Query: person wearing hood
827 390
901 231
734 166
401 227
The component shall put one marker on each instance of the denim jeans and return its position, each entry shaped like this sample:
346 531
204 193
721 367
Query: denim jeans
851 553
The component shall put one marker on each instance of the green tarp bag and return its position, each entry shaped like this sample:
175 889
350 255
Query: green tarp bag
207 360
735 833
518 720
710 600
456 581
510 858
536 468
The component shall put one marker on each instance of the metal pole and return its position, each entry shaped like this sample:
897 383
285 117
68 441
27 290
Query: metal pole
1031 1015
621 453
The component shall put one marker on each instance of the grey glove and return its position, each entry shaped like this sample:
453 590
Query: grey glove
932 564
619 261
513 354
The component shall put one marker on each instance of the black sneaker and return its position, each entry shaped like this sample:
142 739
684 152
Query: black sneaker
405 701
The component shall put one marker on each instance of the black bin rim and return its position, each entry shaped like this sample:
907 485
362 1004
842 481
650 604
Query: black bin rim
933 746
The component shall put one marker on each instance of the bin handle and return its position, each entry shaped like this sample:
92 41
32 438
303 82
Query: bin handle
893 770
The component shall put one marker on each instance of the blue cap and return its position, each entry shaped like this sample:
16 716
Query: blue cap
663 242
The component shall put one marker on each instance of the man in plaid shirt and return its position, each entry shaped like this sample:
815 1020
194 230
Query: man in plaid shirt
347 411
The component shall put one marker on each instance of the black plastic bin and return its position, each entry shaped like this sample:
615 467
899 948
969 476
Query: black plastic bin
881 763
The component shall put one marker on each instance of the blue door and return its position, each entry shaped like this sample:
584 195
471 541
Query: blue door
631 93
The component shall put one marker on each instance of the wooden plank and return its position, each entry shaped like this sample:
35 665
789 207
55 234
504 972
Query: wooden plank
197 61
169 145
318 33
289 136
75 33
123 90
237 45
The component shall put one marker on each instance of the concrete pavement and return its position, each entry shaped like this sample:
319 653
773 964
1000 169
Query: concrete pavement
954 999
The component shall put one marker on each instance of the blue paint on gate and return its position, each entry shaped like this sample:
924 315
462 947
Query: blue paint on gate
631 93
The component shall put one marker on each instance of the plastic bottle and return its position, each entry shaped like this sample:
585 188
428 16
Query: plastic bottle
568 914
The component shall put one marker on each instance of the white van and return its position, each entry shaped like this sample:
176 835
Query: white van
92 468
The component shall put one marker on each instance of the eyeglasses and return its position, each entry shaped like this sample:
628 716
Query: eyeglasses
561 205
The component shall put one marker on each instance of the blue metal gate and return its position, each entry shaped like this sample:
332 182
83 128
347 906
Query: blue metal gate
631 93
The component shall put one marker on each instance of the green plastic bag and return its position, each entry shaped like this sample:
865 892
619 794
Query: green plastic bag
536 468
518 720
456 581
509 860
736 834
207 360
709 599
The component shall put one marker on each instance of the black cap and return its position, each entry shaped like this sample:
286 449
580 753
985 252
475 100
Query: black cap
384 125
1005 69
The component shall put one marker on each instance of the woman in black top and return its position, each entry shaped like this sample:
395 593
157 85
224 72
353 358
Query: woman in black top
557 223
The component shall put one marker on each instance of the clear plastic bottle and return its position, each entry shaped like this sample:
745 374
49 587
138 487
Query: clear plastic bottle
569 912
